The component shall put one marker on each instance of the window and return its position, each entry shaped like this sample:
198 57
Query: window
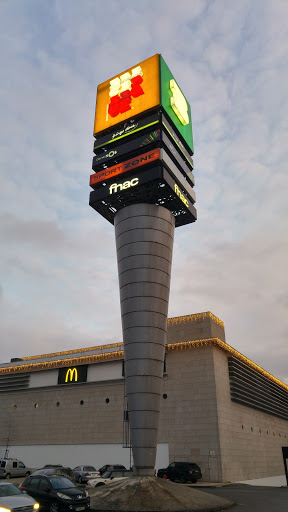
33 483
14 464
77 469
44 484
21 465
2 463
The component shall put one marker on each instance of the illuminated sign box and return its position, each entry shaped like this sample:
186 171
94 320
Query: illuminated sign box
155 138
104 177
158 187
139 144
72 374
141 88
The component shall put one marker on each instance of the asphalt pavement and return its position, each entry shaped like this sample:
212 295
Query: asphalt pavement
252 498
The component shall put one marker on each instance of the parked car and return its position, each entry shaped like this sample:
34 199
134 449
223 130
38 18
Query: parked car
53 466
11 498
13 468
181 471
56 493
108 477
83 473
55 470
110 467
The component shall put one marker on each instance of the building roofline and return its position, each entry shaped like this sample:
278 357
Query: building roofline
174 320
119 354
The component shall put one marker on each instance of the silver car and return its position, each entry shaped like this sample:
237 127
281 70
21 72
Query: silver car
12 499
84 473
13 468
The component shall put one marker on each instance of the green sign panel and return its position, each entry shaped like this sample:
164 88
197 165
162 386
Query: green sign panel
175 104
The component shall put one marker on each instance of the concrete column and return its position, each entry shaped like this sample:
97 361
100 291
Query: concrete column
144 241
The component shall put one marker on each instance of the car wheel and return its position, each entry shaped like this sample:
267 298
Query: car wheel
54 507
193 481
27 474
79 479
8 476
182 479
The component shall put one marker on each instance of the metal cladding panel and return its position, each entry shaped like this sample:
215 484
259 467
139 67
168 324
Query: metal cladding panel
144 335
130 305
142 209
145 275
143 366
148 349
151 261
141 248
145 362
120 87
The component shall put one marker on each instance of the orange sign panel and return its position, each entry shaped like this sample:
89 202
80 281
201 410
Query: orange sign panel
128 94
128 165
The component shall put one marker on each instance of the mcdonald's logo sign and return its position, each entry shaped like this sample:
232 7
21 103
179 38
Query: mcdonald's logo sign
72 375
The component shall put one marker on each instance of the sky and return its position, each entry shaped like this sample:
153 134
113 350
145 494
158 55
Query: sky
58 271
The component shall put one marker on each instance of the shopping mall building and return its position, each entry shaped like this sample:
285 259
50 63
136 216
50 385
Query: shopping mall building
219 409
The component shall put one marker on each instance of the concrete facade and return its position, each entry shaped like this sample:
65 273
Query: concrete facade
198 420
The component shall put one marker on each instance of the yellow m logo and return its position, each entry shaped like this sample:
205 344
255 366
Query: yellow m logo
70 374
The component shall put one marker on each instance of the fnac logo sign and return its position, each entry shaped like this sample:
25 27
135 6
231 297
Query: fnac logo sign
71 375
122 89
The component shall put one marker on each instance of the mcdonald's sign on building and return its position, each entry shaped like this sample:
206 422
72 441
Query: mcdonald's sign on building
72 375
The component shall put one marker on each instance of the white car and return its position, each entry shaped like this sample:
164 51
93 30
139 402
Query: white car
108 477
11 498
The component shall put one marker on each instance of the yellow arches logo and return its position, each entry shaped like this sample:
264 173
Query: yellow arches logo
70 374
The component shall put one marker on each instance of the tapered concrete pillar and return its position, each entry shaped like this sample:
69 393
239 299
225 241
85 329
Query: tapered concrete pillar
144 241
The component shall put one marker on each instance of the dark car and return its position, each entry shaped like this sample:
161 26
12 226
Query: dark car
55 470
181 471
111 467
56 493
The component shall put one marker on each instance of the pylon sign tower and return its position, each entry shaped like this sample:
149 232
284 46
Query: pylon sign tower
143 183
144 143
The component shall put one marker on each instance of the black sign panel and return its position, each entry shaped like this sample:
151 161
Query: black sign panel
154 184
124 130
135 147
134 127
127 150
72 374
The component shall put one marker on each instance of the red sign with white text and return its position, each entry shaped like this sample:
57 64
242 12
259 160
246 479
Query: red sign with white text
128 165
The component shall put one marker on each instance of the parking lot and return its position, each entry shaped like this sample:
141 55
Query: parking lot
248 498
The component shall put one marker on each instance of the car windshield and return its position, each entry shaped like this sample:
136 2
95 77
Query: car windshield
107 474
9 490
59 482
89 468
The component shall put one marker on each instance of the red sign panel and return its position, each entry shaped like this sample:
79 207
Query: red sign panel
128 165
